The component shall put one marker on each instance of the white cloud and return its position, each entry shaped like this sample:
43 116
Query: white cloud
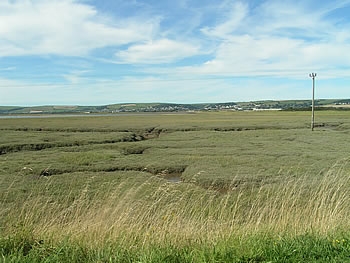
77 77
14 92
277 38
234 15
159 51
274 56
8 69
63 27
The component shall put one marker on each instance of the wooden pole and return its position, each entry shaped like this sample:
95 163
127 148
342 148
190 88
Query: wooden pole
313 75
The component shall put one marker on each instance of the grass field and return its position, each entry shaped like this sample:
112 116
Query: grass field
183 187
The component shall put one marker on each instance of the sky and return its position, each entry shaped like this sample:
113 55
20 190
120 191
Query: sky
97 52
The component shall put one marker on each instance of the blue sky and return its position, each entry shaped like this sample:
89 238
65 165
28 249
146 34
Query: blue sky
94 52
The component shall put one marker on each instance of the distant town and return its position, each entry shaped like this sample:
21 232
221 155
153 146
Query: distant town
321 104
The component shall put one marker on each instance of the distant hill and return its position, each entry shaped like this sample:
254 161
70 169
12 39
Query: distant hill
172 107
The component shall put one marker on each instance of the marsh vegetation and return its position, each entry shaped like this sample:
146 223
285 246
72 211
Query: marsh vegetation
203 187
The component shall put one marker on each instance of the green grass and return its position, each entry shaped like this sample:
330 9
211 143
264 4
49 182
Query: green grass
305 248
255 187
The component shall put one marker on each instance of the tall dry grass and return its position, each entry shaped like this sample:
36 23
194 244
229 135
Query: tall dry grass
140 214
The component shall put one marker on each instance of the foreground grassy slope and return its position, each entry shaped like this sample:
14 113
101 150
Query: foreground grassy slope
255 187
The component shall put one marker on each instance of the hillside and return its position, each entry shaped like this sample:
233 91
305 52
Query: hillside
172 107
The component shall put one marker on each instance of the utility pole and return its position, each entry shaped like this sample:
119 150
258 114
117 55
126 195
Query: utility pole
313 76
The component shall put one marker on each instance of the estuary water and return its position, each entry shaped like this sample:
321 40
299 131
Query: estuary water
42 116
